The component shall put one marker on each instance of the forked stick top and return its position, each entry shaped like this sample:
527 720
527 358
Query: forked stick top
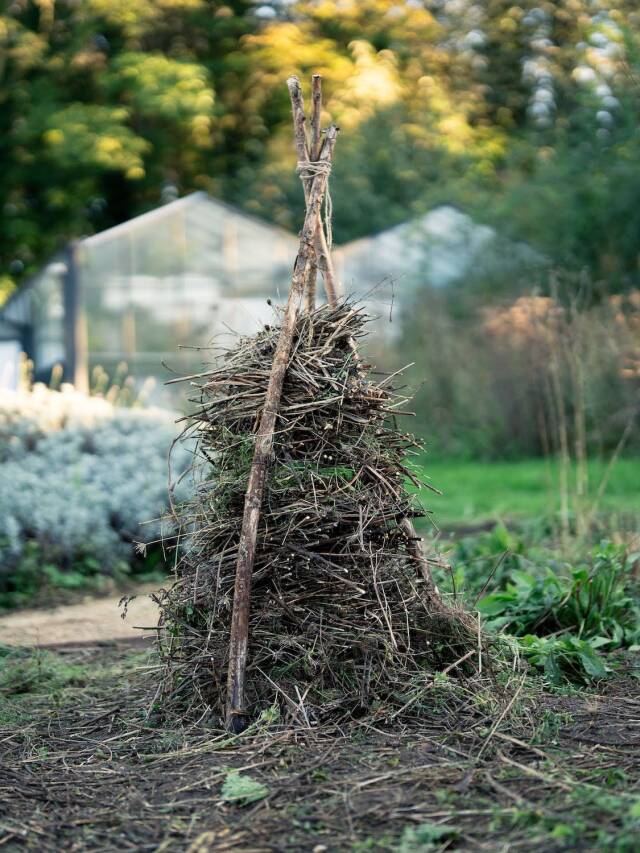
310 165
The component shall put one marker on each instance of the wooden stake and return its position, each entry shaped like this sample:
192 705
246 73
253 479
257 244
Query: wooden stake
416 553
316 110
314 153
236 714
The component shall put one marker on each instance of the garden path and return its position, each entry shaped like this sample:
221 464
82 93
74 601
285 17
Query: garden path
92 620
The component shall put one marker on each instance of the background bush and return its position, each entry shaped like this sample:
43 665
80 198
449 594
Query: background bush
567 611
80 480
519 378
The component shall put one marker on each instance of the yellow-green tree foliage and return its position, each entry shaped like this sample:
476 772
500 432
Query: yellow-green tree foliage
523 112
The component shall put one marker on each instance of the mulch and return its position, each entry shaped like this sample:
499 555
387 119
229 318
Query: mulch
90 769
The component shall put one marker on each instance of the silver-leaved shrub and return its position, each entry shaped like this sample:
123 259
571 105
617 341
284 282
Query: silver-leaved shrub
80 479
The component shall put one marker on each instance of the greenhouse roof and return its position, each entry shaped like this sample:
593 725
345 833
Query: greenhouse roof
167 286
197 199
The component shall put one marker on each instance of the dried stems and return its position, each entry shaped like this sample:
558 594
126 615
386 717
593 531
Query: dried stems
338 610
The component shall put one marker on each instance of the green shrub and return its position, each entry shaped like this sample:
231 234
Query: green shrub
565 617
565 658
591 601
485 559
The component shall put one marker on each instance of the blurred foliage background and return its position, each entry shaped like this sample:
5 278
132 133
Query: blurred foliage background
523 114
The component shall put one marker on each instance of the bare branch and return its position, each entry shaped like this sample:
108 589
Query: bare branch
316 110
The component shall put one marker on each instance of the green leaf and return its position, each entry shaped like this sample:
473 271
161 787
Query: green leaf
242 790
498 623
424 837
592 664
495 604
552 668
562 830
598 642
523 579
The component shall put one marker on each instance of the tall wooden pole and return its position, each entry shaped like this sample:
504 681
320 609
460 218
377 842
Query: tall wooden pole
313 154
236 714
316 111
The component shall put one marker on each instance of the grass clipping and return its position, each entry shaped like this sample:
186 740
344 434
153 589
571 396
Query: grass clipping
341 618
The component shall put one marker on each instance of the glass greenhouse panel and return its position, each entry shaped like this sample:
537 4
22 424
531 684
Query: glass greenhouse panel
161 289
47 317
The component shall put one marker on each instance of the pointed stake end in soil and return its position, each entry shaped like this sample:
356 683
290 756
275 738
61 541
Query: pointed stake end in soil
237 722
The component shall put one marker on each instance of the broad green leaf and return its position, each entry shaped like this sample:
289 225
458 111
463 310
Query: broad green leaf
242 790
493 605
591 662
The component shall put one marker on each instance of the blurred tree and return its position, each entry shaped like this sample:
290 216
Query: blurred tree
563 79
412 109
524 113
102 106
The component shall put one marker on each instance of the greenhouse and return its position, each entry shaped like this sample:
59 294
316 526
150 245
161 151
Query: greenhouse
441 248
155 293
160 292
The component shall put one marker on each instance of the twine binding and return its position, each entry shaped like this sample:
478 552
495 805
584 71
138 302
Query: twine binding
308 169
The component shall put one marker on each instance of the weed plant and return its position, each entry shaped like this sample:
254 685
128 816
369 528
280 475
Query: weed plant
566 614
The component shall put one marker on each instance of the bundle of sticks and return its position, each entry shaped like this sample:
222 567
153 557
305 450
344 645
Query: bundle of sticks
301 578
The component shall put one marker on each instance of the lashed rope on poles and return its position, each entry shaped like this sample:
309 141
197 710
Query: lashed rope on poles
308 170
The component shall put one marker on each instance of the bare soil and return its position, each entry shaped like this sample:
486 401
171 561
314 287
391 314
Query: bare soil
92 620
91 766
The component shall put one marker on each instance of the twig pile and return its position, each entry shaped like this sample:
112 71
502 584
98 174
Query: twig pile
342 613
301 496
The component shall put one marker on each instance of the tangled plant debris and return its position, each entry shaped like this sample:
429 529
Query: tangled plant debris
342 617
301 495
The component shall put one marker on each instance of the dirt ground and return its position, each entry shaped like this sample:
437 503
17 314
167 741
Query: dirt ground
92 620
87 764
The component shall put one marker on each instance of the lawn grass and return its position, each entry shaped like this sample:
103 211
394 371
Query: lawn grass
478 491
